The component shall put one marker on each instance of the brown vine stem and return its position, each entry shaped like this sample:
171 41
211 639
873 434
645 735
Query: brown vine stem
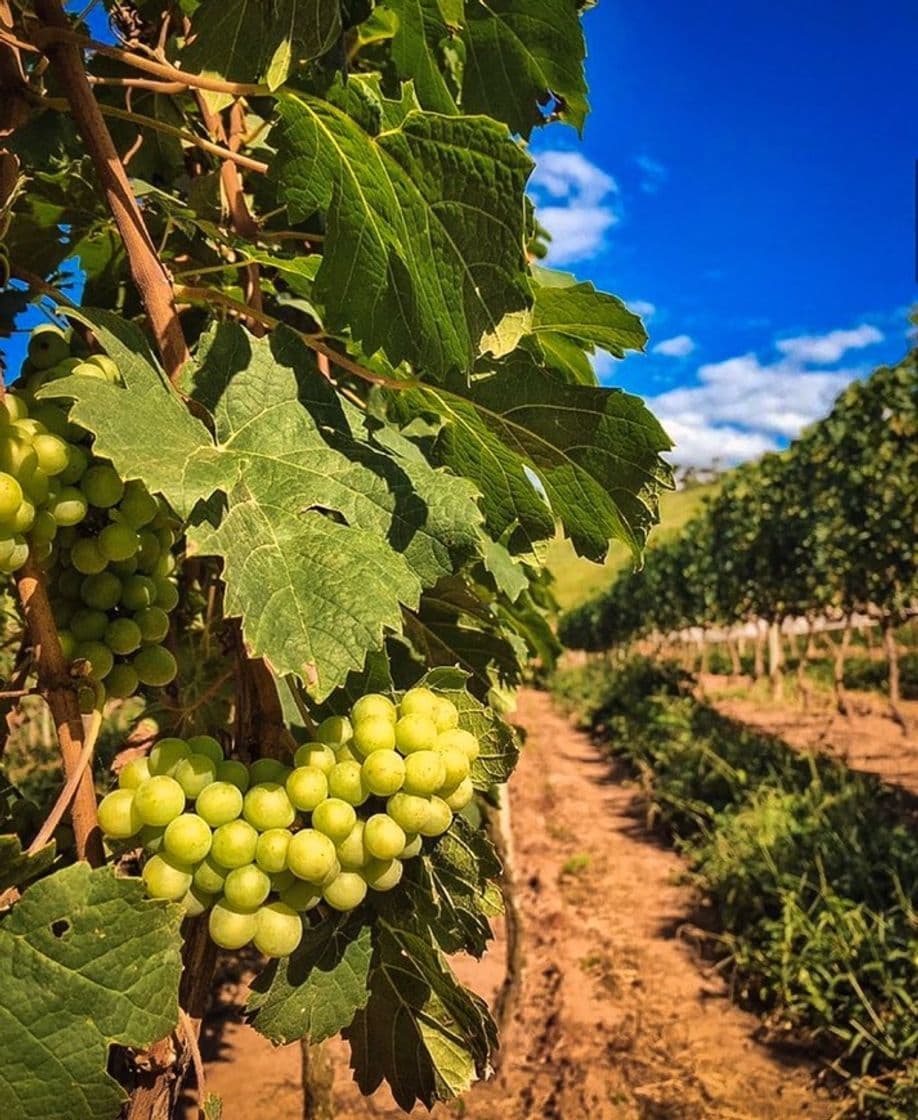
153 84
66 795
146 268
58 687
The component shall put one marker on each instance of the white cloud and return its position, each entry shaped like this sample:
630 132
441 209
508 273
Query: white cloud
678 347
824 349
655 174
699 444
574 201
642 307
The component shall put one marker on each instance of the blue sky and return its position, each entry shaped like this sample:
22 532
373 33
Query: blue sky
749 173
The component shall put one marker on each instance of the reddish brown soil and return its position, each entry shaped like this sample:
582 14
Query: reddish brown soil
616 1019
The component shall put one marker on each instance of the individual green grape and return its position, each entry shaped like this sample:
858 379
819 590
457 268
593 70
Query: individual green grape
282 880
383 875
279 930
137 593
121 682
209 876
271 851
10 495
137 506
455 765
229 927
123 568
425 773
149 551
22 520
164 566
166 755
52 417
102 486
348 754
346 782
194 774
134 772
268 770
12 408
346 891
335 818
415 732
373 706
234 844
53 453
99 657
150 838
167 595
267 805
445 714
68 644
101 591
118 541
439 819
419 701
159 800
335 731
88 625
166 877
68 506
86 557
413 848
108 367
307 787
206 744
48 345
155 666
118 816
68 581
351 851
301 896
373 733
464 741
122 635
188 838
246 887
196 902
383 838
36 486
461 796
410 812
234 772
384 772
311 855
153 623
219 803
14 552
77 465
319 755
44 528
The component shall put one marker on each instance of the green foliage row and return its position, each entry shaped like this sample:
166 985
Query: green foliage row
812 869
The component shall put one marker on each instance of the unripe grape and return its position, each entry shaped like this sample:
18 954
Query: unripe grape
68 506
102 486
77 465
188 838
123 568
346 782
271 851
219 803
267 805
373 733
335 731
134 772
384 772
14 552
44 528
53 454
48 345
118 816
425 773
351 851
229 927
419 701
279 930
121 682
86 557
455 766
101 591
409 812
209 876
122 635
167 754
461 740
348 754
415 732
234 772
346 891
301 896
22 520
108 367
10 495
307 787
206 744
164 566
234 844
12 408
99 657
195 773
68 645
319 755
246 887
383 838
282 880
268 770
118 542
439 818
150 838
153 623
461 796
88 625
166 877
311 855
167 595
36 486
335 818
137 593
51 416
383 875
137 507
445 714
149 551
155 666
373 706
413 848
159 799
196 902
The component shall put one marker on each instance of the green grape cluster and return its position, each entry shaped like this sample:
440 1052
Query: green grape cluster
258 846
105 543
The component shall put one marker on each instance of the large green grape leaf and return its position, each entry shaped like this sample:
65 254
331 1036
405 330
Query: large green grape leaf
17 866
317 990
425 30
420 1031
424 244
580 312
85 961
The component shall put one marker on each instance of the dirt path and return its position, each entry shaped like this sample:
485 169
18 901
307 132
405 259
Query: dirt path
615 1019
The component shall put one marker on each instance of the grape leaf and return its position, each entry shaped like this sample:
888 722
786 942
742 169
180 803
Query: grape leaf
17 866
421 1031
579 311
424 245
315 992
85 961
424 28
